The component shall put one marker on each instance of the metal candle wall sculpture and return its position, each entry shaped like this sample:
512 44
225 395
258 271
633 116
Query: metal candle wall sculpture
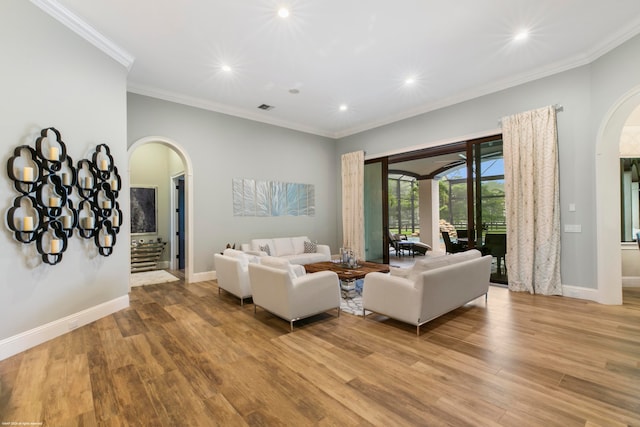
44 211
99 185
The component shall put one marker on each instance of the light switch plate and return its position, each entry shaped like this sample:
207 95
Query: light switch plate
572 228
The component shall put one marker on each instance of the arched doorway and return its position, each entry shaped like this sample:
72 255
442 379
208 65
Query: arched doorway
607 178
188 178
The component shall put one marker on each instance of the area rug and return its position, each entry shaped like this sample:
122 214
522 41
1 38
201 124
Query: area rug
352 297
151 278
351 304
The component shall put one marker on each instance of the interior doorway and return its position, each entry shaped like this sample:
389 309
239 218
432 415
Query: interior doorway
607 185
187 212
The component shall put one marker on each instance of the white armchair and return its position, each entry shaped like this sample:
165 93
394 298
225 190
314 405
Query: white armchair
433 287
292 298
232 273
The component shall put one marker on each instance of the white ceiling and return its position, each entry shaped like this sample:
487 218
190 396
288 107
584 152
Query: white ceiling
357 53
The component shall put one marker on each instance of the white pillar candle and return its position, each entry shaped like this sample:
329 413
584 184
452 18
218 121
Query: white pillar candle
114 221
114 184
87 223
54 202
106 204
27 174
66 222
104 165
66 179
108 241
88 183
54 153
27 223
55 246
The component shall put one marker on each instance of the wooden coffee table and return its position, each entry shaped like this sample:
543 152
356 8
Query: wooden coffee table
347 274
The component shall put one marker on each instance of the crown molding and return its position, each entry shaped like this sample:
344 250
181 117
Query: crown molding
224 109
621 36
84 30
574 62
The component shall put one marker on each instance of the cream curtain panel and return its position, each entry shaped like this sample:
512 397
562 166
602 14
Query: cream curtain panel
353 202
532 201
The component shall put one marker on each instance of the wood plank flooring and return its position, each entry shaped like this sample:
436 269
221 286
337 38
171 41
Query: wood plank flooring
182 355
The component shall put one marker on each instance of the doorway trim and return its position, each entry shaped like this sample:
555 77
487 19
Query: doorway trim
188 177
607 172
173 206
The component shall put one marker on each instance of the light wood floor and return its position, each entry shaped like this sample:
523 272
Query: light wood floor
186 356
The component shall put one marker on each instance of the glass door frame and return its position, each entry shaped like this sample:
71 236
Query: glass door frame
474 194
384 204
474 187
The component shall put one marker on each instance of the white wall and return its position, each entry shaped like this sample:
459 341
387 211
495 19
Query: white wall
586 93
223 147
51 77
480 116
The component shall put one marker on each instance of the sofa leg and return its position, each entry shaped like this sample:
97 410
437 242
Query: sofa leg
291 324
339 311
417 330
486 297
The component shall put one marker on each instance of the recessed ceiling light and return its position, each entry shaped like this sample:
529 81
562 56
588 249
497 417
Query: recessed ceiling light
226 68
283 12
410 80
522 35
344 107
294 91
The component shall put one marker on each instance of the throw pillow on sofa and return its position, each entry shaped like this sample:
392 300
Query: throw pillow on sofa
265 249
310 247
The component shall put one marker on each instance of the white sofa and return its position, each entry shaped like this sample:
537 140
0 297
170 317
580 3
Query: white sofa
281 292
290 248
432 287
232 272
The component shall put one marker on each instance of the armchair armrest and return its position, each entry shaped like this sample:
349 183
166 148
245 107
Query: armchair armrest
393 296
315 292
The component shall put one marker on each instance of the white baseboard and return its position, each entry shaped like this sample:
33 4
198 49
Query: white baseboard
25 340
204 276
631 282
580 292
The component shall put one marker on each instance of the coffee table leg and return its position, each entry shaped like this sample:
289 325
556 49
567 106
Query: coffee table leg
348 288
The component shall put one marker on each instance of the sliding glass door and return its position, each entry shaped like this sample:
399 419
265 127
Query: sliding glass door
489 221
375 211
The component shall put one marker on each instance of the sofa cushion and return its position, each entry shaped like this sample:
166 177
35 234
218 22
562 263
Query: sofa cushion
307 258
294 271
282 246
298 244
433 262
310 247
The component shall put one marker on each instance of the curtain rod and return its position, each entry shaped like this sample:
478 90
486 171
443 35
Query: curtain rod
558 107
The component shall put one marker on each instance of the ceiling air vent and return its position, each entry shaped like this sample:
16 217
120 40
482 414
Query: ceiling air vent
266 107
